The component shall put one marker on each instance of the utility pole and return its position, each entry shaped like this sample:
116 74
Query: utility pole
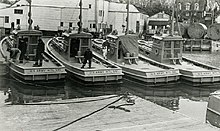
127 19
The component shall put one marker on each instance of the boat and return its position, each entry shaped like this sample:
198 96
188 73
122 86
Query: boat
70 53
51 70
213 109
167 49
123 52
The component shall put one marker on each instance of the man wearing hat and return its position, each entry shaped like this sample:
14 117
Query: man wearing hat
39 53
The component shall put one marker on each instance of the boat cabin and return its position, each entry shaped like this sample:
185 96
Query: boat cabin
75 44
28 41
123 48
167 49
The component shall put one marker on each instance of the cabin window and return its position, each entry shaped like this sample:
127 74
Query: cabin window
167 44
90 6
177 44
176 53
167 54
6 19
18 11
85 42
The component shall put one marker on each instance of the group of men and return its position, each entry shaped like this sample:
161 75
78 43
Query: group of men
18 54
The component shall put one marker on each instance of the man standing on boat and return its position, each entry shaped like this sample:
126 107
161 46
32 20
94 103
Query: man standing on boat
87 57
39 53
23 48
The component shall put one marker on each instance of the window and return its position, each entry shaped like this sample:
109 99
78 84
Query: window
90 25
187 6
196 6
18 11
18 21
70 24
94 25
90 6
61 23
6 19
100 12
180 6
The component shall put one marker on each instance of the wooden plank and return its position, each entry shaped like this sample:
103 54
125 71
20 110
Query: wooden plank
143 115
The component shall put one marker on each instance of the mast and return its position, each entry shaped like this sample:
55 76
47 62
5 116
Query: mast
127 19
80 17
172 19
30 21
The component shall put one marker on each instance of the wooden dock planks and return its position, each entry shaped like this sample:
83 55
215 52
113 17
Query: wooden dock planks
143 115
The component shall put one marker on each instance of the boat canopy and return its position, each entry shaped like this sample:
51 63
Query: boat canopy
78 35
27 32
129 43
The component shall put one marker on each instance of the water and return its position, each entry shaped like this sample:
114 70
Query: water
181 97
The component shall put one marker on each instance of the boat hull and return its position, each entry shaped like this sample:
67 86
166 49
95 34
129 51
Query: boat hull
95 74
51 70
191 70
213 110
43 77
151 76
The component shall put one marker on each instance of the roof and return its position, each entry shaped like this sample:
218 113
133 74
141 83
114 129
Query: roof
3 5
78 35
55 3
28 33
120 7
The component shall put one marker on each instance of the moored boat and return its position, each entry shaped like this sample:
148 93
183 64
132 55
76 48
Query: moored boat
167 49
50 70
123 51
213 109
70 53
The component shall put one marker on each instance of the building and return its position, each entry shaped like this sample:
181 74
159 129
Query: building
158 22
49 15
57 15
117 15
191 10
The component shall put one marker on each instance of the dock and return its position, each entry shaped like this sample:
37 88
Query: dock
103 113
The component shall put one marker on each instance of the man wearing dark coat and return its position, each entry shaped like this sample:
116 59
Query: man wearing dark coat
87 57
39 53
23 48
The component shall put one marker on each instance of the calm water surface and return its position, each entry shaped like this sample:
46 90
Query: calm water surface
182 97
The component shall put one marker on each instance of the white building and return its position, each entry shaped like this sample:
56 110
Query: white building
50 15
54 15
117 15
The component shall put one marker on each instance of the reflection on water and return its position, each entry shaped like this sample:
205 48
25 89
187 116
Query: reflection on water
181 97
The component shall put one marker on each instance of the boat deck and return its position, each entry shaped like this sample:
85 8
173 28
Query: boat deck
141 65
189 67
